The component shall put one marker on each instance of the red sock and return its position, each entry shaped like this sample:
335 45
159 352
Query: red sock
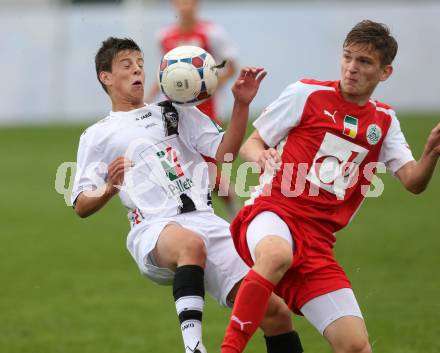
249 309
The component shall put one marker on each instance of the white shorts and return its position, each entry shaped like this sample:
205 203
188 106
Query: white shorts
264 224
224 267
325 309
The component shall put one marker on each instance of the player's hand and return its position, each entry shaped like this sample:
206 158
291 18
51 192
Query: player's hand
433 143
269 160
246 86
116 172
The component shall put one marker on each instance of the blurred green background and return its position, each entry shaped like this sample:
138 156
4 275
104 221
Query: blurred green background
69 285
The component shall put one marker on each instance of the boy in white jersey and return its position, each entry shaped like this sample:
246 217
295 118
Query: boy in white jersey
151 156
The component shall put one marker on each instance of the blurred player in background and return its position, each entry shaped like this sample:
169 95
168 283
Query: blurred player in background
320 144
190 30
150 155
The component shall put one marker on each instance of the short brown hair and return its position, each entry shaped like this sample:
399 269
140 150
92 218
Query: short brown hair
109 49
376 35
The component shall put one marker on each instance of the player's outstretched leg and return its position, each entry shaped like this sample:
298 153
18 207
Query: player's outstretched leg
189 294
184 252
270 244
273 257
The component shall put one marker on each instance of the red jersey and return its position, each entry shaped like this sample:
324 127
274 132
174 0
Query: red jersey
207 36
329 150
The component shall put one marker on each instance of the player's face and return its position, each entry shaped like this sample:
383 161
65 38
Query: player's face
186 9
127 77
361 71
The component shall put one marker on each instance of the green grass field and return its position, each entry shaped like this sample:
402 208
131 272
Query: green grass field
69 285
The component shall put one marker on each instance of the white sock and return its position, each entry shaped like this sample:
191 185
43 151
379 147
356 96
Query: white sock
190 310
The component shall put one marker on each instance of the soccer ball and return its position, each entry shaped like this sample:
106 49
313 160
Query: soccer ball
187 75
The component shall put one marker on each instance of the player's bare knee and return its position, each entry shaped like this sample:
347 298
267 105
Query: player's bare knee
192 251
275 261
356 345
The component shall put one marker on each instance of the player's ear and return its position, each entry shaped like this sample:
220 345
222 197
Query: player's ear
387 70
106 78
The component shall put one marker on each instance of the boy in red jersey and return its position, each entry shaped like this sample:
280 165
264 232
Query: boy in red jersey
190 30
320 144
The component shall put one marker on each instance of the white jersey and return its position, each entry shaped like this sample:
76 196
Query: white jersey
166 144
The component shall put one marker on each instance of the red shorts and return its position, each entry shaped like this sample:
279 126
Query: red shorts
314 270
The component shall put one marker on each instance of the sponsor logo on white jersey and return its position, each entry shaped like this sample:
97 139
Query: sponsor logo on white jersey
174 172
169 163
149 125
145 116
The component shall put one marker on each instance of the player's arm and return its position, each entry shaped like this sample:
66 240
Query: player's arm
244 90
89 202
415 175
88 205
255 150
